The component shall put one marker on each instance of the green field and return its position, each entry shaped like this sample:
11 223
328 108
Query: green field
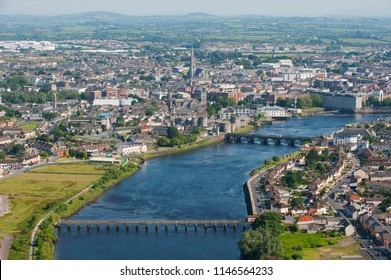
30 192
362 41
73 168
322 245
29 126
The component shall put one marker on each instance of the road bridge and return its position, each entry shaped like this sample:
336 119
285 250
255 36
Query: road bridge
266 139
154 224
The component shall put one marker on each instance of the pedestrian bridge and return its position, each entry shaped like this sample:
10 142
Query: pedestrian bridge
154 224
266 139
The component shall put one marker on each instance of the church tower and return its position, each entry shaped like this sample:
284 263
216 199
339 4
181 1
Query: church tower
54 101
192 65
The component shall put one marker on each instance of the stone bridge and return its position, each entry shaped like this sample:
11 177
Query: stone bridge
266 139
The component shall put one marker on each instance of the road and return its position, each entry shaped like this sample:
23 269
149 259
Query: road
3 205
5 245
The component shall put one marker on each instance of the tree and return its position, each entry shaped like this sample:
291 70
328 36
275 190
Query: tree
276 158
18 150
297 201
260 244
293 179
163 141
43 154
49 116
312 158
317 100
120 121
172 132
271 220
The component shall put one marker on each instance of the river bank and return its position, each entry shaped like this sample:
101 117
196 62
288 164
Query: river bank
159 152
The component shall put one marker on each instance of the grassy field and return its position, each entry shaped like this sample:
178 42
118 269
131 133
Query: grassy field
347 248
29 126
362 41
30 192
322 245
73 168
247 129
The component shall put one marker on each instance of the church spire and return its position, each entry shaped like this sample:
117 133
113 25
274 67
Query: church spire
192 64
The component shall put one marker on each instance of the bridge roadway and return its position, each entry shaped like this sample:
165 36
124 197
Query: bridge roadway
155 223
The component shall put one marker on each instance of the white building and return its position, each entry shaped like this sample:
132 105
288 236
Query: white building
132 149
272 111
106 102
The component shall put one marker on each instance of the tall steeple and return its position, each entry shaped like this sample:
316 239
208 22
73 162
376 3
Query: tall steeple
54 101
192 64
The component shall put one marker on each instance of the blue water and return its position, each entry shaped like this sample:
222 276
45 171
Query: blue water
202 184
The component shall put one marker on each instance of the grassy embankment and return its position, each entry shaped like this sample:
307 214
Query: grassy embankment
312 111
33 194
319 246
247 129
273 163
158 152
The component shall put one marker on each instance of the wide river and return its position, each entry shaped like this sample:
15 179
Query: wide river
202 184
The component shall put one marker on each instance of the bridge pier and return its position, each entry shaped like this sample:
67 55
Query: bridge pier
146 227
78 227
136 227
176 227
69 227
205 227
225 227
97 227
127 227
166 227
107 227
185 227
156 227
88 227
215 227
244 227
59 227
195 227
234 227
117 227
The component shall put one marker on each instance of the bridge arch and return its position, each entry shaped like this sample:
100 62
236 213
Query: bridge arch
298 142
257 140
284 142
270 141
244 139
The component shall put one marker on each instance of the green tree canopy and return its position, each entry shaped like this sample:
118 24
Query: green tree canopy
172 132
260 244
271 220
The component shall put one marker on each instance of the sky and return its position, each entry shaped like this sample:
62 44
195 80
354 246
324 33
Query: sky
371 8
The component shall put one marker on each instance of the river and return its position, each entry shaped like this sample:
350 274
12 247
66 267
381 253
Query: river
201 184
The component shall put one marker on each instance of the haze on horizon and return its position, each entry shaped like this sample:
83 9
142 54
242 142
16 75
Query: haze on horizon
374 8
